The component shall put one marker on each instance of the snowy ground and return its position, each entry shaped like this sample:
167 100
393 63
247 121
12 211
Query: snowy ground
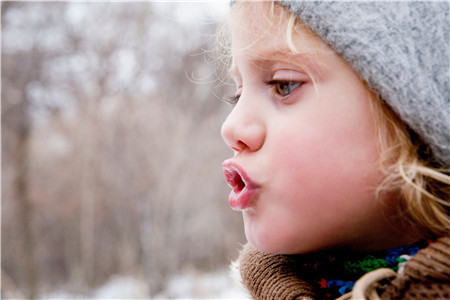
217 285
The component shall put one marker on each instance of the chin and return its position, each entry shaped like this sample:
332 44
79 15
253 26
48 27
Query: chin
266 238
261 242
276 248
276 244
269 244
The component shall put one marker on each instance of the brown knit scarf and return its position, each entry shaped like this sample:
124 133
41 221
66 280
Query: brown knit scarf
270 276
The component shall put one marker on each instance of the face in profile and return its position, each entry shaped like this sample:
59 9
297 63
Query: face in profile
304 171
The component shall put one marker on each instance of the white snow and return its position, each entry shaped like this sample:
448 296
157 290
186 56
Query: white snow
122 288
187 285
217 285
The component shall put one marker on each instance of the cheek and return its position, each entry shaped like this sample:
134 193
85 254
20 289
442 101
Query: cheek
301 156
325 167
327 143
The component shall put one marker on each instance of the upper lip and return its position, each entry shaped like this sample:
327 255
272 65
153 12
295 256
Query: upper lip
236 176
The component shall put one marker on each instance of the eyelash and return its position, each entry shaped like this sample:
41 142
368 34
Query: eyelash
233 100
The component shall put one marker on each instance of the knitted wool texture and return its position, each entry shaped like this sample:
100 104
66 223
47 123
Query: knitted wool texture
401 49
426 275
270 276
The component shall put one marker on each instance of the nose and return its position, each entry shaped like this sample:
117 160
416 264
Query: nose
244 128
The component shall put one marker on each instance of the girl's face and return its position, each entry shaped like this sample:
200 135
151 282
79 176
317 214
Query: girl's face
304 171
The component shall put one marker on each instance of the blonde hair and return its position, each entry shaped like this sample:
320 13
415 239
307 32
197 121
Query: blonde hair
409 168
406 162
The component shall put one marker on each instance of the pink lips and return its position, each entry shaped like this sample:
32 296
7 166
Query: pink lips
243 189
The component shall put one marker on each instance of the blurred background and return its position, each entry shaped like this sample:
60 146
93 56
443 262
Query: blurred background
111 152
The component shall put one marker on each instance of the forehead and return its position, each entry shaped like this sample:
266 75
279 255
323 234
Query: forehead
266 31
253 24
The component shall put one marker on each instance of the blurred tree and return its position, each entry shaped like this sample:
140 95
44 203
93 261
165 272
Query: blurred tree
110 128
16 132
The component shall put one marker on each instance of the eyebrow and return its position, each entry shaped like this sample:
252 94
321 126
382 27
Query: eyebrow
305 60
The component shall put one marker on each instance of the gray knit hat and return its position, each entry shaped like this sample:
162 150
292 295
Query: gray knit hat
401 49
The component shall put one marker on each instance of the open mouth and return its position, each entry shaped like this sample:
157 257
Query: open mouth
243 189
234 179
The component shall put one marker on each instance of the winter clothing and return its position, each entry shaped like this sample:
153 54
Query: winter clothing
268 276
401 49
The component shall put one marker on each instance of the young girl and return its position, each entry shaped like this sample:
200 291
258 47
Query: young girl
340 132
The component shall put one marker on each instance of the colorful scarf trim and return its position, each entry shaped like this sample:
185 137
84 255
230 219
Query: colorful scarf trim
335 274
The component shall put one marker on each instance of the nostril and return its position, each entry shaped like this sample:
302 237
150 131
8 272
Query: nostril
240 146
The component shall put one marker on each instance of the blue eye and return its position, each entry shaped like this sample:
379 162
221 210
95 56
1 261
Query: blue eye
284 88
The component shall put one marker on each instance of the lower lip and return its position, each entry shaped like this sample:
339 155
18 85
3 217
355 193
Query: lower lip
241 199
